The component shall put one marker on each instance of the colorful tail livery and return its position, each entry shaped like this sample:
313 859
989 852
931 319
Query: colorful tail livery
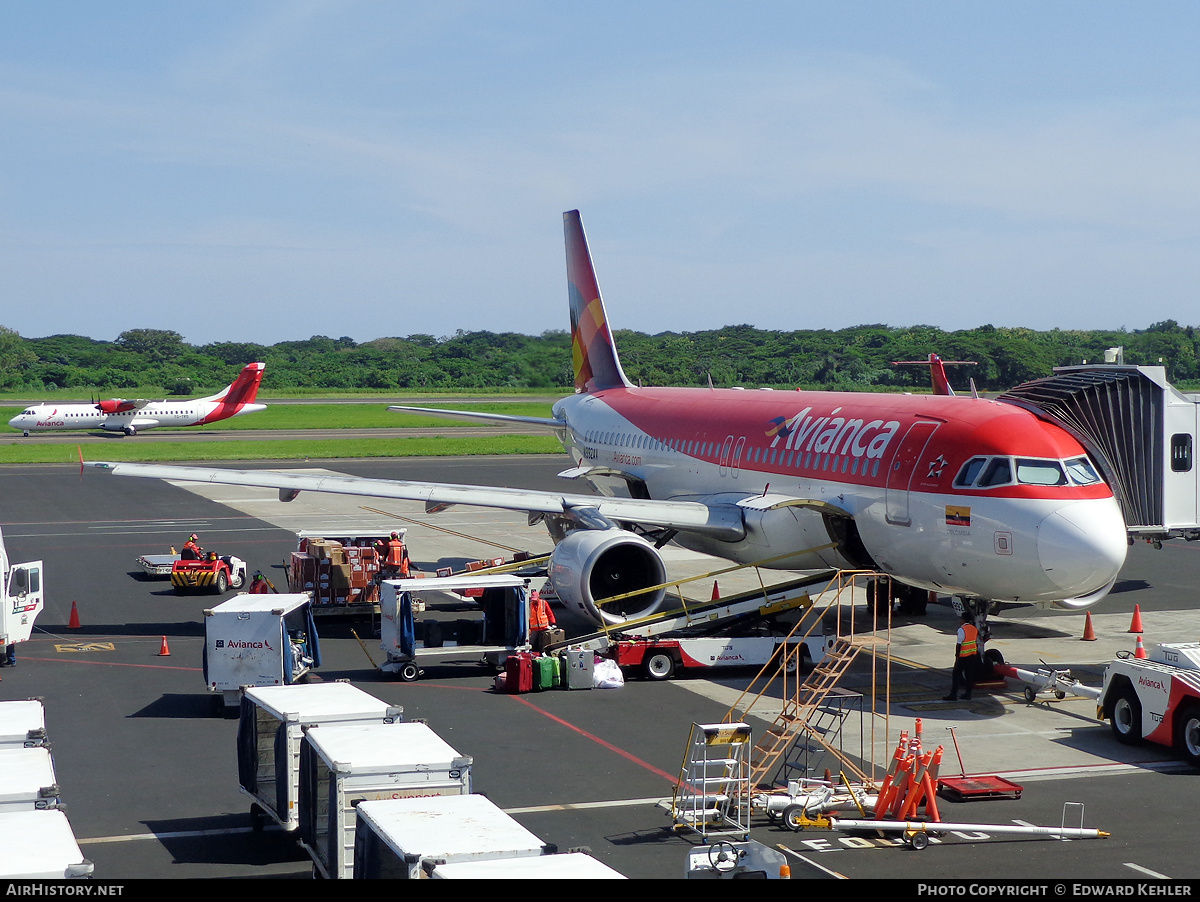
121 415
958 495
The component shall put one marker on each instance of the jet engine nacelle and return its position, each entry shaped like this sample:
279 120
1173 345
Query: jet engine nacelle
590 565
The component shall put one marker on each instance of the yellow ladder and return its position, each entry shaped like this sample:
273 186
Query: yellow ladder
712 796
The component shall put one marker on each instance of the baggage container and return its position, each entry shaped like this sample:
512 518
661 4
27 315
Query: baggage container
258 640
341 766
408 838
270 727
22 724
27 780
565 866
40 845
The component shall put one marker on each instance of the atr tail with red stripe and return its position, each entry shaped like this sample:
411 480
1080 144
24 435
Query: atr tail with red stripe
592 349
244 389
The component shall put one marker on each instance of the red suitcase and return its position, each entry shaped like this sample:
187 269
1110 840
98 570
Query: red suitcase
518 670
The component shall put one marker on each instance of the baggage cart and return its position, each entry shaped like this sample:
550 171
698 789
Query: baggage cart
157 565
503 631
27 781
341 766
22 724
258 640
410 838
40 845
270 727
564 866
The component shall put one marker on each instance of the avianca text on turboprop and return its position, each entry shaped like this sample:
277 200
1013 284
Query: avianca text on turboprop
826 433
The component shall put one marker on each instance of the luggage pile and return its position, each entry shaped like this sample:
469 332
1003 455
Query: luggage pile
568 669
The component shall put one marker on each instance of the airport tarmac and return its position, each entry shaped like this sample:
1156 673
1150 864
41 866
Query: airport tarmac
149 774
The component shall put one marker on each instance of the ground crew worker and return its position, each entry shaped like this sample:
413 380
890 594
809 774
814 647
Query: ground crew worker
966 658
259 585
395 557
541 618
191 550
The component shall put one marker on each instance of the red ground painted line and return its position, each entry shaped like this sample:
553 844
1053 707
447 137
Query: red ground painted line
596 739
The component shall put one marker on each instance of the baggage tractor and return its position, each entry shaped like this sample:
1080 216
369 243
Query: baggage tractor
518 671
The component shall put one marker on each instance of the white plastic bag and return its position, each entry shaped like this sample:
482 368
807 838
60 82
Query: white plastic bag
607 675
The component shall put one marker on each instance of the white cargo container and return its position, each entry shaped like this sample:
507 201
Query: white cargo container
341 766
258 640
27 780
567 866
22 598
40 845
408 838
269 731
22 724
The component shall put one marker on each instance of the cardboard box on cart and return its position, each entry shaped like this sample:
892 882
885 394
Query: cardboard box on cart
407 838
271 726
258 640
341 766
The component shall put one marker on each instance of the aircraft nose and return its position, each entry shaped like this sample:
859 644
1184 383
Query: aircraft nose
1082 545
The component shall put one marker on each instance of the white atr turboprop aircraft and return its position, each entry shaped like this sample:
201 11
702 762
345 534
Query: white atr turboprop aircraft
960 495
120 415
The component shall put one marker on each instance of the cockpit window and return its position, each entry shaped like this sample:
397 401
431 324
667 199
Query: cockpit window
1082 472
1040 472
997 472
969 471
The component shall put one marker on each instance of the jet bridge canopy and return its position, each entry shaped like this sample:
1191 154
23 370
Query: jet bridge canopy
1141 431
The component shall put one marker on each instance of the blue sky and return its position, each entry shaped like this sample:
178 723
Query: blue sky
268 171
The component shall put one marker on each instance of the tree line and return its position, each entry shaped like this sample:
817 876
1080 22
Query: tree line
861 357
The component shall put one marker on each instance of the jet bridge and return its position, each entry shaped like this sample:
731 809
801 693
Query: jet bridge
1140 430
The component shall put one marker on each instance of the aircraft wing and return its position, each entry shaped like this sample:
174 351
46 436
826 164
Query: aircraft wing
722 521
547 422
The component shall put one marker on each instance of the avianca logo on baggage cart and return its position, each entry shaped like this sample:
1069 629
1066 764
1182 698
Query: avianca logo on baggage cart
832 434
242 643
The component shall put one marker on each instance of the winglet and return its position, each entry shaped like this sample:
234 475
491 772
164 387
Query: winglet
593 352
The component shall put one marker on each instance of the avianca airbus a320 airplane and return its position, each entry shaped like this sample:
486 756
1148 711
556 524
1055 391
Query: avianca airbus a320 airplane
120 415
960 495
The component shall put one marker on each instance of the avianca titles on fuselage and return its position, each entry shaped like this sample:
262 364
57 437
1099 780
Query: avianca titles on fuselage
120 415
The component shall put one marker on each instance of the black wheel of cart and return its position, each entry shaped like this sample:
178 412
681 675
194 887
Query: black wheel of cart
410 672
660 666
919 840
222 583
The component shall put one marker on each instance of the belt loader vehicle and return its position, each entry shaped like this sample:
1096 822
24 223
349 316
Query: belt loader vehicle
412 838
270 728
1156 698
344 765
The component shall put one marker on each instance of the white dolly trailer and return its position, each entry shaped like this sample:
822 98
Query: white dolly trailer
270 726
344 765
258 640
22 724
411 838
1156 698
505 627
40 845
22 598
27 780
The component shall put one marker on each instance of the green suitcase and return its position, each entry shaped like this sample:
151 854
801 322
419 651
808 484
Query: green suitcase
545 672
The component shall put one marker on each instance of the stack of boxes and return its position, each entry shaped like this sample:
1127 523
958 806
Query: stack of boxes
334 572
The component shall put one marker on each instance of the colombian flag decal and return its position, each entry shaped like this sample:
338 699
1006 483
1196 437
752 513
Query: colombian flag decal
958 516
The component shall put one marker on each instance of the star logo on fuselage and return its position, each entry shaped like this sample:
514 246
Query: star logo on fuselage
936 466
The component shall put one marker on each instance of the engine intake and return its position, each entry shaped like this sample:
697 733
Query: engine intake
590 565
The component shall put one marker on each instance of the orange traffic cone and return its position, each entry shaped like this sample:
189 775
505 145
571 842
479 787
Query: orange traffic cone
716 596
73 623
164 651
1089 634
1139 650
1135 625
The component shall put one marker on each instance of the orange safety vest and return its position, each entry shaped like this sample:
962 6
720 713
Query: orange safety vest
397 556
540 615
970 643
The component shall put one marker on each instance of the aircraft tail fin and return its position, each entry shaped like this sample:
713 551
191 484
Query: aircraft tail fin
244 389
593 351
937 372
